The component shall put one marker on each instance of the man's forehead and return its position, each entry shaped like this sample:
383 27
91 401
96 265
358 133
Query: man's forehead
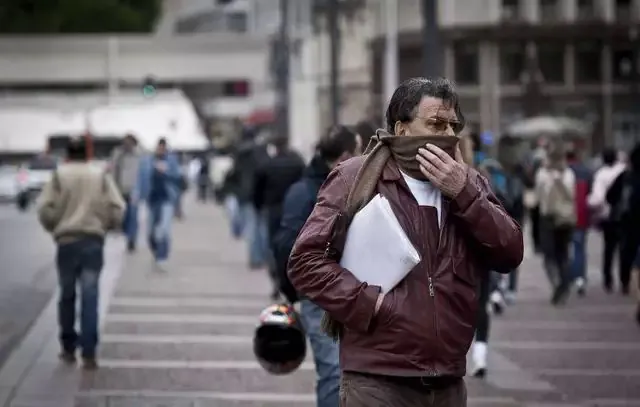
434 107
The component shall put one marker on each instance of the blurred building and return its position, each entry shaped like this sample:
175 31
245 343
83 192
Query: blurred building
582 53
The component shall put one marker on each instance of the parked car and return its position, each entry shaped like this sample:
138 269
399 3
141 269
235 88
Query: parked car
8 183
32 177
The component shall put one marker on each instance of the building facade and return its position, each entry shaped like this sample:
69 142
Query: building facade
580 54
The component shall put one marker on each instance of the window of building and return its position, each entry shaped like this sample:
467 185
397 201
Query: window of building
551 61
623 9
512 62
510 10
588 62
466 57
550 10
237 21
586 10
237 88
623 68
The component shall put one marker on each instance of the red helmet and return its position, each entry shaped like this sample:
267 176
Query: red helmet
279 342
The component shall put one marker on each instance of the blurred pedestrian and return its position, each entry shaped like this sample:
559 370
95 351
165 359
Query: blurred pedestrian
584 178
509 191
536 160
247 157
556 189
365 130
606 220
202 179
338 145
78 207
624 198
408 347
159 186
273 178
183 186
125 164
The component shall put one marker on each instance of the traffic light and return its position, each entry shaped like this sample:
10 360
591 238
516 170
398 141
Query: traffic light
149 87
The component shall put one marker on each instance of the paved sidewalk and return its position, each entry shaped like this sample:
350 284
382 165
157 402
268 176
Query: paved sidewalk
183 339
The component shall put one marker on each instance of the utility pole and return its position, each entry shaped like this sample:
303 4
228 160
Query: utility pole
282 62
432 54
390 11
333 14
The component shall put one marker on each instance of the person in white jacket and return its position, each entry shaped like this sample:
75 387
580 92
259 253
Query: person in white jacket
603 179
556 236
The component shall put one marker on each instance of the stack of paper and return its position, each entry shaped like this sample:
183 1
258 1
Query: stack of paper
377 250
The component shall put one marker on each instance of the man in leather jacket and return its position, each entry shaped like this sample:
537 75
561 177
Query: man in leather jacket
408 347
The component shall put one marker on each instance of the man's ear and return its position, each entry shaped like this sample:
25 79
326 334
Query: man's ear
399 129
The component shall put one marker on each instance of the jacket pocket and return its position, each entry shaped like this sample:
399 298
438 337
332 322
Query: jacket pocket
464 290
385 313
463 273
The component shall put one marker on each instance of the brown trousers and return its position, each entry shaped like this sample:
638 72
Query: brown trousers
358 390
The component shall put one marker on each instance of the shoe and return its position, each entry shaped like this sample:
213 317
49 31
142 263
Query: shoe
497 302
625 290
89 363
560 295
161 266
68 358
131 247
581 286
638 314
510 297
479 359
608 287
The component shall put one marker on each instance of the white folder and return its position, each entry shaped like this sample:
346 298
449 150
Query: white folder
377 250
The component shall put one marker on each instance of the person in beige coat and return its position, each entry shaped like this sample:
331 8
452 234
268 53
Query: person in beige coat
78 207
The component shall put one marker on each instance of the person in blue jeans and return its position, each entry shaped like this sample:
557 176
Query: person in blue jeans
338 145
159 185
78 207
584 179
125 165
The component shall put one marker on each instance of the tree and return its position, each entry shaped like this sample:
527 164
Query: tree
78 16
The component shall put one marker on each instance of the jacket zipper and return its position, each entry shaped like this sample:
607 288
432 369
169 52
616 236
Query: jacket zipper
432 291
332 232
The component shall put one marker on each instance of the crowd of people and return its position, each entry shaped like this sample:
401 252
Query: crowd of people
460 209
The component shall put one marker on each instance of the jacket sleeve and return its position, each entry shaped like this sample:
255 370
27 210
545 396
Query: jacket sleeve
489 224
174 171
317 274
296 209
115 204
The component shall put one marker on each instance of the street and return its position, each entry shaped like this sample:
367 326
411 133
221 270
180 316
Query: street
27 276
184 338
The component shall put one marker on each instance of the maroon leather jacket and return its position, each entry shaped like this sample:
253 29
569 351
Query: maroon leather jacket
425 325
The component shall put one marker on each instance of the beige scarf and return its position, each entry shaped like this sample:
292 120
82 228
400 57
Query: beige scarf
383 146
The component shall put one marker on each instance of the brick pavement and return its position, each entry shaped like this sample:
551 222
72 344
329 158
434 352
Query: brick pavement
183 338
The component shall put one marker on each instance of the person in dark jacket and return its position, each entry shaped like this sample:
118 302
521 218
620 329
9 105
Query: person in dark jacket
624 198
274 176
246 159
336 146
